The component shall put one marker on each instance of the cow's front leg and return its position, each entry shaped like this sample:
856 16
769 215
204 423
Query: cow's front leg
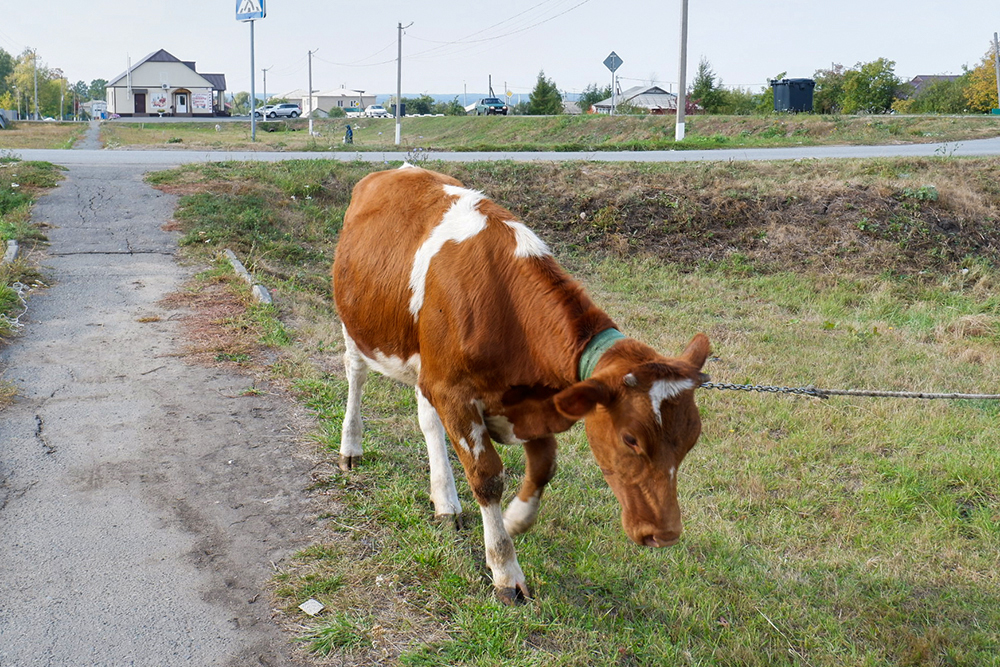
357 374
484 470
539 466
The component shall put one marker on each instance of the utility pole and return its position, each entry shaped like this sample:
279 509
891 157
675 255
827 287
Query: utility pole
996 64
34 63
311 91
264 70
682 76
399 75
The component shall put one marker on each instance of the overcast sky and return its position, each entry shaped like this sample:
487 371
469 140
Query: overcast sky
454 46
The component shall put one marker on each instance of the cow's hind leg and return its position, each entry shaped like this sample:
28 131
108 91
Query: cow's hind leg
357 374
443 492
539 466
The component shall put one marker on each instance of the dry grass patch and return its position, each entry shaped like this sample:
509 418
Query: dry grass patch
23 134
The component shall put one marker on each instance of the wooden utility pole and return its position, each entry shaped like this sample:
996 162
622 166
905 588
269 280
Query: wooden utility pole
996 64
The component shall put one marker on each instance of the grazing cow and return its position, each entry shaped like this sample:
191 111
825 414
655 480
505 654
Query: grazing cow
442 289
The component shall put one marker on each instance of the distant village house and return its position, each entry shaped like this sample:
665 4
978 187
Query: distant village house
652 99
163 85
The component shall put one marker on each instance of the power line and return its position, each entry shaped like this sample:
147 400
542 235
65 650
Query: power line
476 42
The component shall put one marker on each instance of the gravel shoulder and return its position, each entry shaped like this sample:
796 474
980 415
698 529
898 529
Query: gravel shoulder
144 501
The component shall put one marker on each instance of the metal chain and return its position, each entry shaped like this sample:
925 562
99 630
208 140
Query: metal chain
826 393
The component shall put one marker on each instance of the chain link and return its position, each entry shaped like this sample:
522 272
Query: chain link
826 393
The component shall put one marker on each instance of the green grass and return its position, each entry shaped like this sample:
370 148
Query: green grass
20 184
557 133
844 532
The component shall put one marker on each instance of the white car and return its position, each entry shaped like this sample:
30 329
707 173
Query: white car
376 111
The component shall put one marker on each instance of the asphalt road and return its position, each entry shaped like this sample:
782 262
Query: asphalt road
143 500
165 158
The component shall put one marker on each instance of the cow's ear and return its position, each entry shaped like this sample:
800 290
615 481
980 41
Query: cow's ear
697 351
579 400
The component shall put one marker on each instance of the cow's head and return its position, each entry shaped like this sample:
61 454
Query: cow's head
641 421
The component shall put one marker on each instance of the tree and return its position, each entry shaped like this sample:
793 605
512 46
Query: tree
739 101
7 63
96 91
828 95
452 108
705 92
545 99
241 104
418 105
870 87
981 91
591 95
943 96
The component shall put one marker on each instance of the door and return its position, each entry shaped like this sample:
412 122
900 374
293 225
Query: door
182 103
140 103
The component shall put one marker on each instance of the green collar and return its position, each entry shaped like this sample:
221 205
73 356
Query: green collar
597 346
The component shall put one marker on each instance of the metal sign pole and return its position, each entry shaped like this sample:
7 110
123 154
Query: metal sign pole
253 92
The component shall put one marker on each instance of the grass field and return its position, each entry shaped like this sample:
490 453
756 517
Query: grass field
844 532
562 133
20 183
41 135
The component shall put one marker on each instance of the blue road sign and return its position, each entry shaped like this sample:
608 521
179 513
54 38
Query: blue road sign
250 10
612 62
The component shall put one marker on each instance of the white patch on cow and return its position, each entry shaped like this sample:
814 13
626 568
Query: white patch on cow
478 435
520 515
407 165
663 390
671 472
406 371
502 430
500 554
528 243
443 492
460 223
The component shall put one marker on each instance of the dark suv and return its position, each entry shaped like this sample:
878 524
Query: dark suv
490 106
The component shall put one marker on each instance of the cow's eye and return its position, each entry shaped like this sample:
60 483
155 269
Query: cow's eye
630 440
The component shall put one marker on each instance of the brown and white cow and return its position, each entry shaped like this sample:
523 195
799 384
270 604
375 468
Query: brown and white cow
442 289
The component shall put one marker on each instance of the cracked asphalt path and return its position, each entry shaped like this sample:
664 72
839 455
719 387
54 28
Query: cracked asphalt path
143 500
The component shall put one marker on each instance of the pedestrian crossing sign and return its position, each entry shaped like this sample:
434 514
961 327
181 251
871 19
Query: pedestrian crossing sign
250 10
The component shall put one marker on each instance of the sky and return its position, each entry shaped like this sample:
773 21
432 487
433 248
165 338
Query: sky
454 47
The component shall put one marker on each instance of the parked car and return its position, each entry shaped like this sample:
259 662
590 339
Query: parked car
353 112
260 112
286 110
490 106
376 111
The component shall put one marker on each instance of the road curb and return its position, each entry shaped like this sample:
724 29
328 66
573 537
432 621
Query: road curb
11 252
259 291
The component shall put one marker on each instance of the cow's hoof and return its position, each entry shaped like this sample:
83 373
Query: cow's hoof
454 520
350 462
513 596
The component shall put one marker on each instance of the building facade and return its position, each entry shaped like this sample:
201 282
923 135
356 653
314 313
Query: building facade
163 85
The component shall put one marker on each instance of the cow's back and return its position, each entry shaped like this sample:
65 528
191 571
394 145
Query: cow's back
390 215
